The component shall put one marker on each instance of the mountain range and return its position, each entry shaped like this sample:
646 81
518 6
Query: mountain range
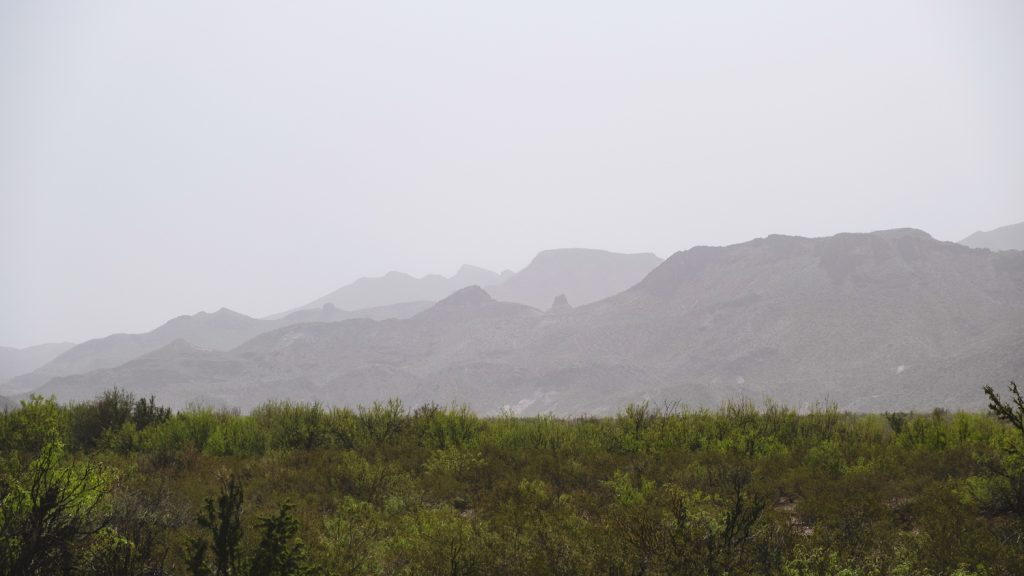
580 274
890 320
220 330
395 287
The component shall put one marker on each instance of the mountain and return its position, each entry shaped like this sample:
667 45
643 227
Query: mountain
331 313
891 320
396 287
17 361
881 321
369 354
221 330
581 275
1006 238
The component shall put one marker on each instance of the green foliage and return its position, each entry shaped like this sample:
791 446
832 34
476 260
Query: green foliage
38 422
111 554
437 540
441 429
221 522
280 551
352 538
381 423
112 420
288 425
655 490
47 510
1011 411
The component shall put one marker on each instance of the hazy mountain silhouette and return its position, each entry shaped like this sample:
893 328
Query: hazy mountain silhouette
397 287
891 320
331 313
1005 238
581 275
16 361
221 330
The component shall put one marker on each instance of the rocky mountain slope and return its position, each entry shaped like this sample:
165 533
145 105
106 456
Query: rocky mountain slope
891 320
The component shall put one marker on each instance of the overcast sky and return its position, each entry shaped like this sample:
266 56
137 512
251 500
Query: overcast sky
161 158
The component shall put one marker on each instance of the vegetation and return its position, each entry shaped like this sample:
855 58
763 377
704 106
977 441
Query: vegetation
120 486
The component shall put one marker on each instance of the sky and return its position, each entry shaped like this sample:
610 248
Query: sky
162 158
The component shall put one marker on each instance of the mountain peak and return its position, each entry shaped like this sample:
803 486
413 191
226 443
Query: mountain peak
400 288
555 255
561 304
223 312
468 296
470 269
898 233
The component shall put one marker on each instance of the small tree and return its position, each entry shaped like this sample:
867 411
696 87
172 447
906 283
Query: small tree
1012 466
223 522
280 551
1012 411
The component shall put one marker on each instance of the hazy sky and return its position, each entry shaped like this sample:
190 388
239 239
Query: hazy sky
161 158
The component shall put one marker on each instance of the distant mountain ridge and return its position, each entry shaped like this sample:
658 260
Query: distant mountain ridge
396 287
221 330
584 275
581 275
17 361
1004 238
891 320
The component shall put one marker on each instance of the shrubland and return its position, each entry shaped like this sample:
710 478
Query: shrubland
121 486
